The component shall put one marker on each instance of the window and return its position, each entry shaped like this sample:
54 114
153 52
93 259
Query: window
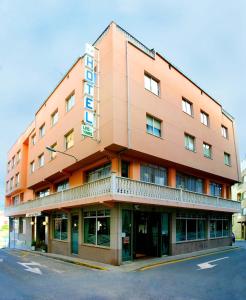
215 189
20 225
189 142
97 227
69 140
219 227
7 186
227 159
32 167
18 156
16 200
224 131
53 154
125 168
54 118
189 183
70 103
151 84
190 227
43 193
187 107
33 139
99 173
11 183
60 226
42 131
41 160
207 150
13 161
153 174
17 179
61 186
153 126
204 118
8 167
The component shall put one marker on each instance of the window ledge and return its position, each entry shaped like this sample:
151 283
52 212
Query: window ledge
188 241
152 93
159 137
96 246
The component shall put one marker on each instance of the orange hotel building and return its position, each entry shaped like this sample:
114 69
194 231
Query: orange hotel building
144 165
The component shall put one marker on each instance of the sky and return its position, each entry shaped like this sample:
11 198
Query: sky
40 40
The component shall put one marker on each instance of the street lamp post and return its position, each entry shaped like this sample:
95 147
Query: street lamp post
54 150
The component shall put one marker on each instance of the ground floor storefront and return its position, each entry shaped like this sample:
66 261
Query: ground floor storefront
120 232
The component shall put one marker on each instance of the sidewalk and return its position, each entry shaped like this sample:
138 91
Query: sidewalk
136 265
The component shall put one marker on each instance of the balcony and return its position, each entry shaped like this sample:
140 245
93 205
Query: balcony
121 189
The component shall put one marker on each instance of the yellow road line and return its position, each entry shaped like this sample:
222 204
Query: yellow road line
155 265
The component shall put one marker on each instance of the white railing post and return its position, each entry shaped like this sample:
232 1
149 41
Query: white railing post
113 183
181 194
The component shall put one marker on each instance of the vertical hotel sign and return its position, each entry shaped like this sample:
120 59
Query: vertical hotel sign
89 123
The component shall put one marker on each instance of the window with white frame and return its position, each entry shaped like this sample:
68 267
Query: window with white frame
70 101
151 84
42 131
18 156
98 173
32 167
189 142
97 227
227 159
224 131
204 118
54 118
187 107
52 153
153 126
17 179
11 183
33 139
41 160
69 139
207 150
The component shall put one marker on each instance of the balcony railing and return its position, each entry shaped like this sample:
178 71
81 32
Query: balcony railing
114 186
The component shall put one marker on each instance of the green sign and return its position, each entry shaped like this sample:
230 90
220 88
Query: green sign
87 130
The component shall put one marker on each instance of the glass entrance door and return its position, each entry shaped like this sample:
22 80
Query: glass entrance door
126 235
164 234
74 234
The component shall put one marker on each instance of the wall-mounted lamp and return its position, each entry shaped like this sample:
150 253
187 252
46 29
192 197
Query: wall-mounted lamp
45 223
32 223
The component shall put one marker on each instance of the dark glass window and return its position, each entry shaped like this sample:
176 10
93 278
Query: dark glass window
99 173
191 229
20 225
215 189
181 230
189 183
97 227
125 168
61 186
153 174
60 227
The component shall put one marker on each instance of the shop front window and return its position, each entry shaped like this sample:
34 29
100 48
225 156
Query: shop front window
219 227
60 227
97 227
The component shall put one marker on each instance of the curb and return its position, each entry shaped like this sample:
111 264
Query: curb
169 262
83 264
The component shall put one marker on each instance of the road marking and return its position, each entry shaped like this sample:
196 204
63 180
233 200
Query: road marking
30 269
208 265
169 262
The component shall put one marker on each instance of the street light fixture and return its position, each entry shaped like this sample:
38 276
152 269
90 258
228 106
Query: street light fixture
54 150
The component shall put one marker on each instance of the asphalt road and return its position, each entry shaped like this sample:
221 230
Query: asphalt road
30 276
